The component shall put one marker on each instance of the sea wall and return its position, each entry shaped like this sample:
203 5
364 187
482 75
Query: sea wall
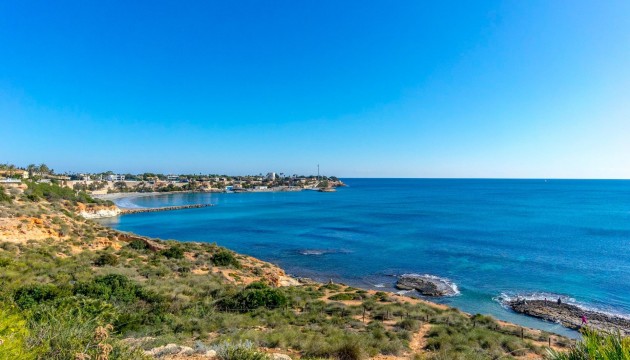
165 208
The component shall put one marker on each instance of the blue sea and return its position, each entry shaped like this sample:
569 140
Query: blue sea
494 239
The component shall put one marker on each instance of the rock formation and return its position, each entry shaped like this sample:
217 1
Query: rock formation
570 315
426 285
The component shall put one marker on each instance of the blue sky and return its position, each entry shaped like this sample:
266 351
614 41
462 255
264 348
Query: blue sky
366 89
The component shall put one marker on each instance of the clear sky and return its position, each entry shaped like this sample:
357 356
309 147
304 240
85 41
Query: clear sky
366 89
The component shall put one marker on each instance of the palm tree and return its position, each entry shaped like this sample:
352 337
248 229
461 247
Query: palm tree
31 169
11 169
43 169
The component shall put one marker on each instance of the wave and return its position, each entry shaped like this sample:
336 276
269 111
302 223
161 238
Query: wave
506 297
127 203
444 280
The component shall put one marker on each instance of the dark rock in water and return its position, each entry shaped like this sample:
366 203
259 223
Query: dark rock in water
570 315
426 285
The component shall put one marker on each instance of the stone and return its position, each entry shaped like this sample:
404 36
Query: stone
569 315
278 356
426 285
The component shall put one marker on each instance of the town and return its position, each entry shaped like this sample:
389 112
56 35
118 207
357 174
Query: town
109 182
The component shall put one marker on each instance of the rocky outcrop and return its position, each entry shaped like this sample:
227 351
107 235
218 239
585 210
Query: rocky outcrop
570 316
97 212
426 285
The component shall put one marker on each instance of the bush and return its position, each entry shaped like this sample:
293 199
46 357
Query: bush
174 252
596 345
4 197
254 296
14 334
138 244
115 288
409 324
239 351
61 335
345 296
27 297
54 192
225 258
347 349
106 259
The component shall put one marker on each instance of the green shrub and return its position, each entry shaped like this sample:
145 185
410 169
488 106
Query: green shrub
61 335
345 296
596 345
138 244
348 348
14 334
54 192
225 257
115 288
409 324
27 297
254 296
106 259
174 252
239 351
4 197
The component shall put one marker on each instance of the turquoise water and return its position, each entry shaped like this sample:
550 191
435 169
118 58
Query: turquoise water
492 238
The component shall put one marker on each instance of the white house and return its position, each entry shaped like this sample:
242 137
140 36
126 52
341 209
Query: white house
116 177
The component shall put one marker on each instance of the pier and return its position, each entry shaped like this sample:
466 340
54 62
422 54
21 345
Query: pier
164 208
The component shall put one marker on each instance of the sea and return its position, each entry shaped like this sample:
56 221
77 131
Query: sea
492 239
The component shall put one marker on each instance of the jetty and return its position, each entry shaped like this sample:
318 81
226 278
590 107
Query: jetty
570 316
164 208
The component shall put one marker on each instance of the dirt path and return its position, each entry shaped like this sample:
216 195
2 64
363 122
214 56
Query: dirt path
419 341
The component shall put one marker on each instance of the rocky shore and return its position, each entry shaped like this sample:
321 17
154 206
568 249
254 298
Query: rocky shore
570 315
426 285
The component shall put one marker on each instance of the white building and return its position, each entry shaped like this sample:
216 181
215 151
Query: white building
271 176
116 177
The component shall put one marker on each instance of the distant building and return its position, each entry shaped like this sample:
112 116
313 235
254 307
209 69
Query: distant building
14 173
116 177
172 177
271 176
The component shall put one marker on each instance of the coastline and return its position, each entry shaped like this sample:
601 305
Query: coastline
196 263
514 317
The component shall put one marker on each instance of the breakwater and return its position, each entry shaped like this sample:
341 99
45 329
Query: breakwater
164 208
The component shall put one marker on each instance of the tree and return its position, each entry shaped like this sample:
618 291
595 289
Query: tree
43 169
31 168
11 169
